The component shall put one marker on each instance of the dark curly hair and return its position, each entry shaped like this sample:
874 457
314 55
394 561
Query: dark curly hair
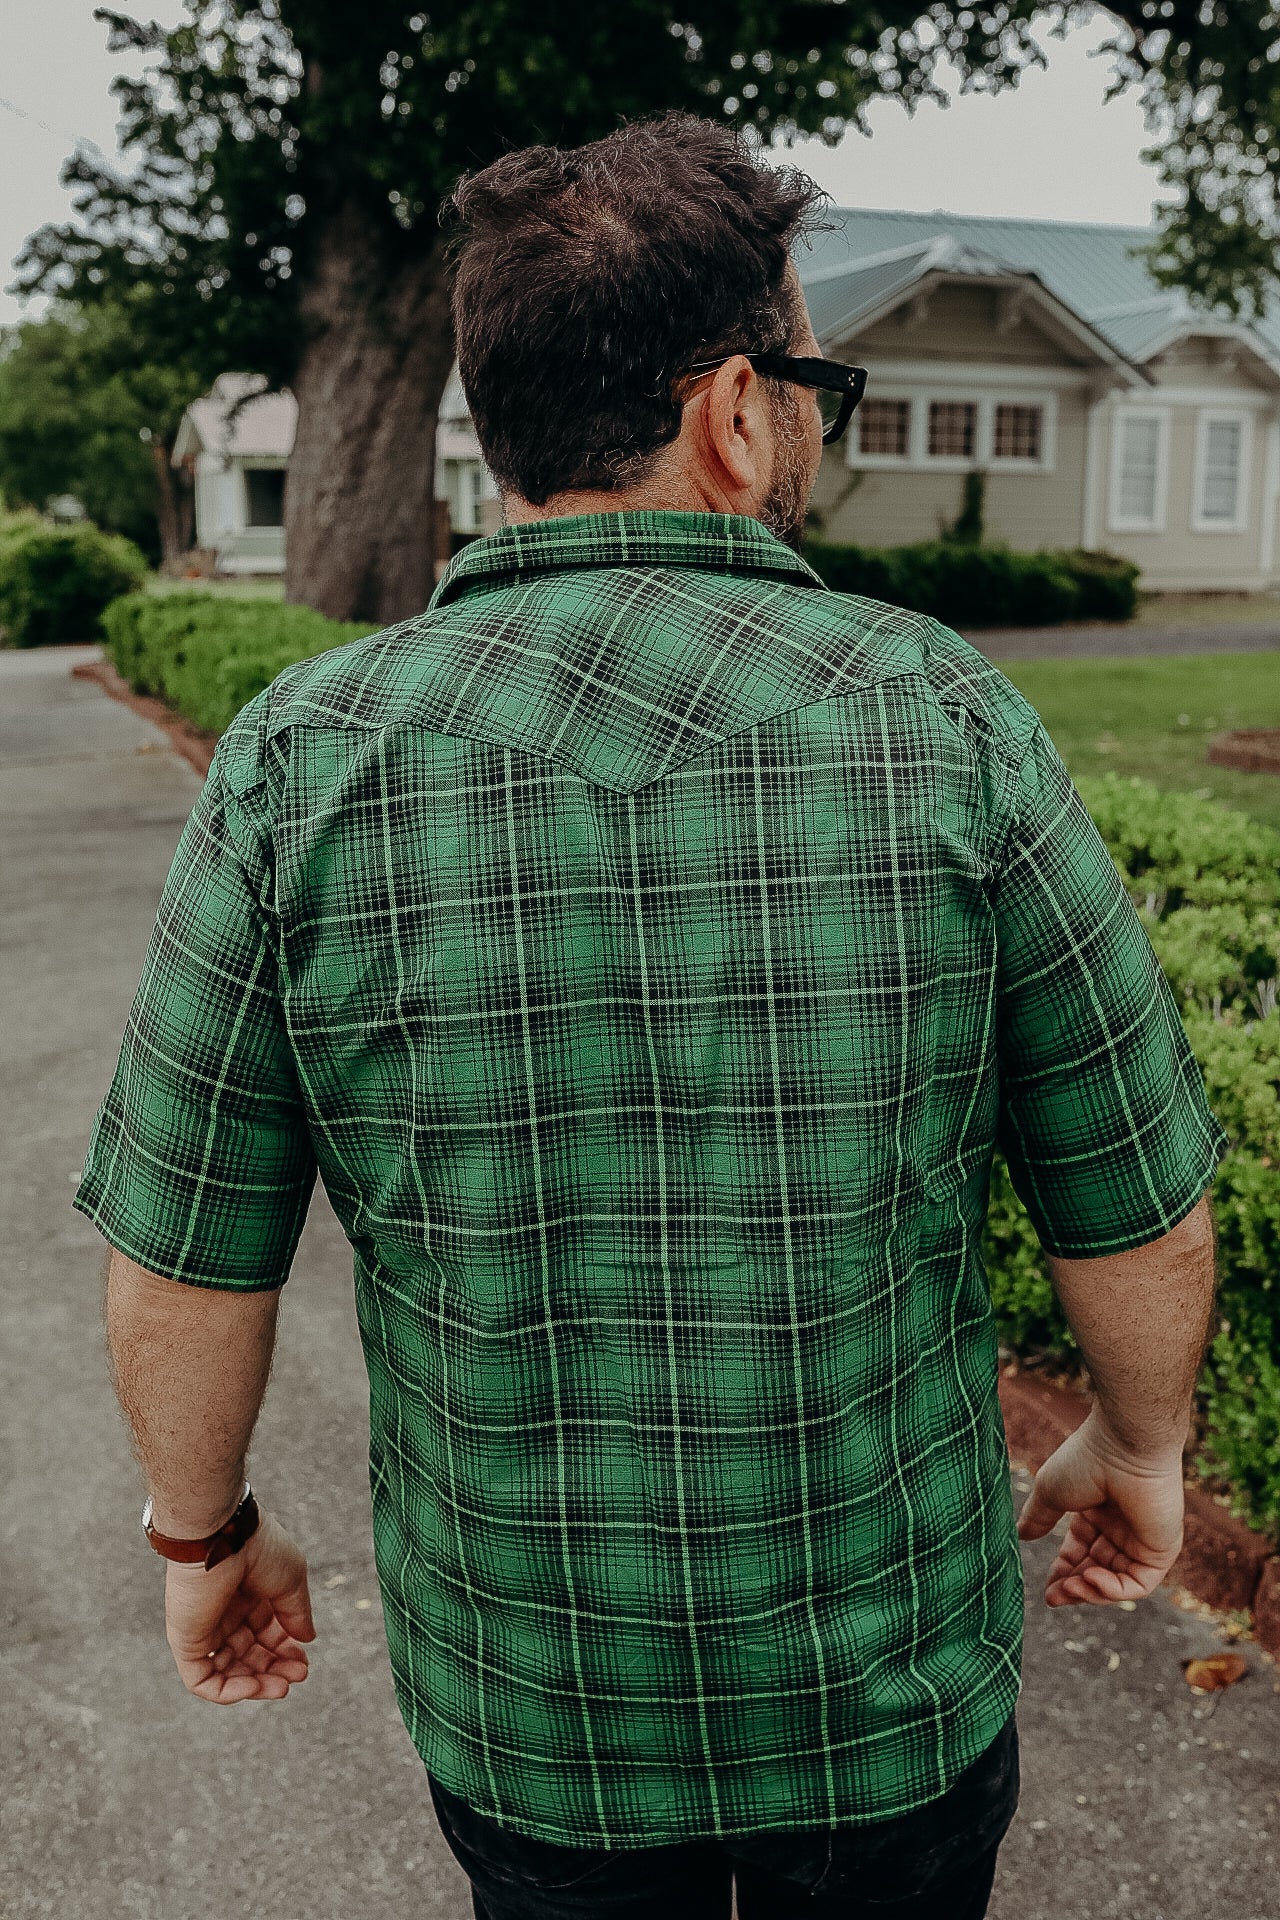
585 279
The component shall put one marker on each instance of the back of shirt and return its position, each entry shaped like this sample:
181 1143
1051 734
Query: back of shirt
648 946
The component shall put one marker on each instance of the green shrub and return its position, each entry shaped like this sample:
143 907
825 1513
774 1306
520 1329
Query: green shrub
55 582
1207 885
1108 585
208 656
967 585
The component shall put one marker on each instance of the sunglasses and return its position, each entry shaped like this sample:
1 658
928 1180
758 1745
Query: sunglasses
838 388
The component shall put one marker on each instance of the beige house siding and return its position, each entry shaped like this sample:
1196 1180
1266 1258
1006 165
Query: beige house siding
963 342
959 323
876 507
1181 556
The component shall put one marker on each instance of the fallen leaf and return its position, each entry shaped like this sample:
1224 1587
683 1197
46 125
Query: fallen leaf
1219 1670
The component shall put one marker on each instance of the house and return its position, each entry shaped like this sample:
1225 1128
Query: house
236 442
1104 410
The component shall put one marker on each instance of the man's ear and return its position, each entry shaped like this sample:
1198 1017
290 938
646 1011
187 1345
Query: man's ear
733 427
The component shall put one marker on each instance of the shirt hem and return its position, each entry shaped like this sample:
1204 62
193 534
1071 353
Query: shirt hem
1171 1216
996 1708
166 1268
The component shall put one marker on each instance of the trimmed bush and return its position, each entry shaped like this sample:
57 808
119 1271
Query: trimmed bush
209 656
56 582
1206 883
982 586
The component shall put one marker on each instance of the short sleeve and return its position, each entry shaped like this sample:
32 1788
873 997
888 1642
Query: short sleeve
200 1164
1104 1122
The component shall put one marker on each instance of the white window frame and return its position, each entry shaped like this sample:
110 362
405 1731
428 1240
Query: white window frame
892 462
1237 417
1128 523
918 459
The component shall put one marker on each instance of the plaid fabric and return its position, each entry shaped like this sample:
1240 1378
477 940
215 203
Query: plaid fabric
648 945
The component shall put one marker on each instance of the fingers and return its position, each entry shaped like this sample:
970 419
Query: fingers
294 1610
1039 1516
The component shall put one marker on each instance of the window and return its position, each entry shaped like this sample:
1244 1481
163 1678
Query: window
953 429
1139 470
1222 453
264 487
885 428
1019 432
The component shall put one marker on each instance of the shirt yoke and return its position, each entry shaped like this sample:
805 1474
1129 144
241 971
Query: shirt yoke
623 678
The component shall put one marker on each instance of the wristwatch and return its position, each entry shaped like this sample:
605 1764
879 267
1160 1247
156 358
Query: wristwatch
215 1547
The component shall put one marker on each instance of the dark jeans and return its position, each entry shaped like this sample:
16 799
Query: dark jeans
935 1863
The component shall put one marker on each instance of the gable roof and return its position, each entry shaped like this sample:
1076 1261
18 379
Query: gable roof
1096 271
843 299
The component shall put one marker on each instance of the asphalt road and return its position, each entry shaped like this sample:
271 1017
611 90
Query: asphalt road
124 1799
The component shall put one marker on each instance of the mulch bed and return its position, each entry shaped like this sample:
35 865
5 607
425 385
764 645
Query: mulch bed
193 743
1248 750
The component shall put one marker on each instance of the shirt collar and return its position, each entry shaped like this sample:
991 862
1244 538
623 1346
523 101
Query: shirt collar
710 542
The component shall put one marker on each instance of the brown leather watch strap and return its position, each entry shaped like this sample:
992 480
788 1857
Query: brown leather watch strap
215 1547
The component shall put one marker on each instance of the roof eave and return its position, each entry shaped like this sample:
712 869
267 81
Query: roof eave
855 322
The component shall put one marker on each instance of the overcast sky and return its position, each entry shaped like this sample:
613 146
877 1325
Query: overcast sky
1047 150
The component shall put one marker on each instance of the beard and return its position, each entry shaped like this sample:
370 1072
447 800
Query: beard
786 503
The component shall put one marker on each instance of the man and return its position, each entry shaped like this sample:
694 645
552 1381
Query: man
648 946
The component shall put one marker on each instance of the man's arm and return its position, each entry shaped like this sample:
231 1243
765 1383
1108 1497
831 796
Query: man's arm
1142 1319
190 1366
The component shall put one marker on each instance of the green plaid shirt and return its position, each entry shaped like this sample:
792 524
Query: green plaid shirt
649 945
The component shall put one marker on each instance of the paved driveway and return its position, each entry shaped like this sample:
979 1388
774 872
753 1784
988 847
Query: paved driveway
124 1797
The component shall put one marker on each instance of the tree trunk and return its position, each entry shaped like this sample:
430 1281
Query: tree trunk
377 350
173 505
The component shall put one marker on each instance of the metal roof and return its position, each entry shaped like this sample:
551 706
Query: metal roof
1096 270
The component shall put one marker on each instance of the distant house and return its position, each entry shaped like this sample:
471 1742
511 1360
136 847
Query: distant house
238 439
1104 410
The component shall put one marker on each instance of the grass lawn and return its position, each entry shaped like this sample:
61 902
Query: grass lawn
251 587
1208 610
1154 717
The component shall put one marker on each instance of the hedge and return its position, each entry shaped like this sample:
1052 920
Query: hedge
1206 883
983 586
55 582
208 656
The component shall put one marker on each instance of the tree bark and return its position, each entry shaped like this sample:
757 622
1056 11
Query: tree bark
173 504
376 354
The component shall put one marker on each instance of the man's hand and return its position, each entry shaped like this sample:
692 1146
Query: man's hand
249 1613
1126 1528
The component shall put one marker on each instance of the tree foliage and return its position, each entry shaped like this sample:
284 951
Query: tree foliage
287 160
257 121
81 412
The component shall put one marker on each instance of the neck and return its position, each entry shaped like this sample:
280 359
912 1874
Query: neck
672 493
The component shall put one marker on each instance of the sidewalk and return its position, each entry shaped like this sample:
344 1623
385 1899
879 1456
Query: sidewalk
122 1795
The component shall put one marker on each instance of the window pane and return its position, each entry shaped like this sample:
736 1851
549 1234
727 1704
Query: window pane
1139 462
1018 432
885 427
952 428
266 496
1223 447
